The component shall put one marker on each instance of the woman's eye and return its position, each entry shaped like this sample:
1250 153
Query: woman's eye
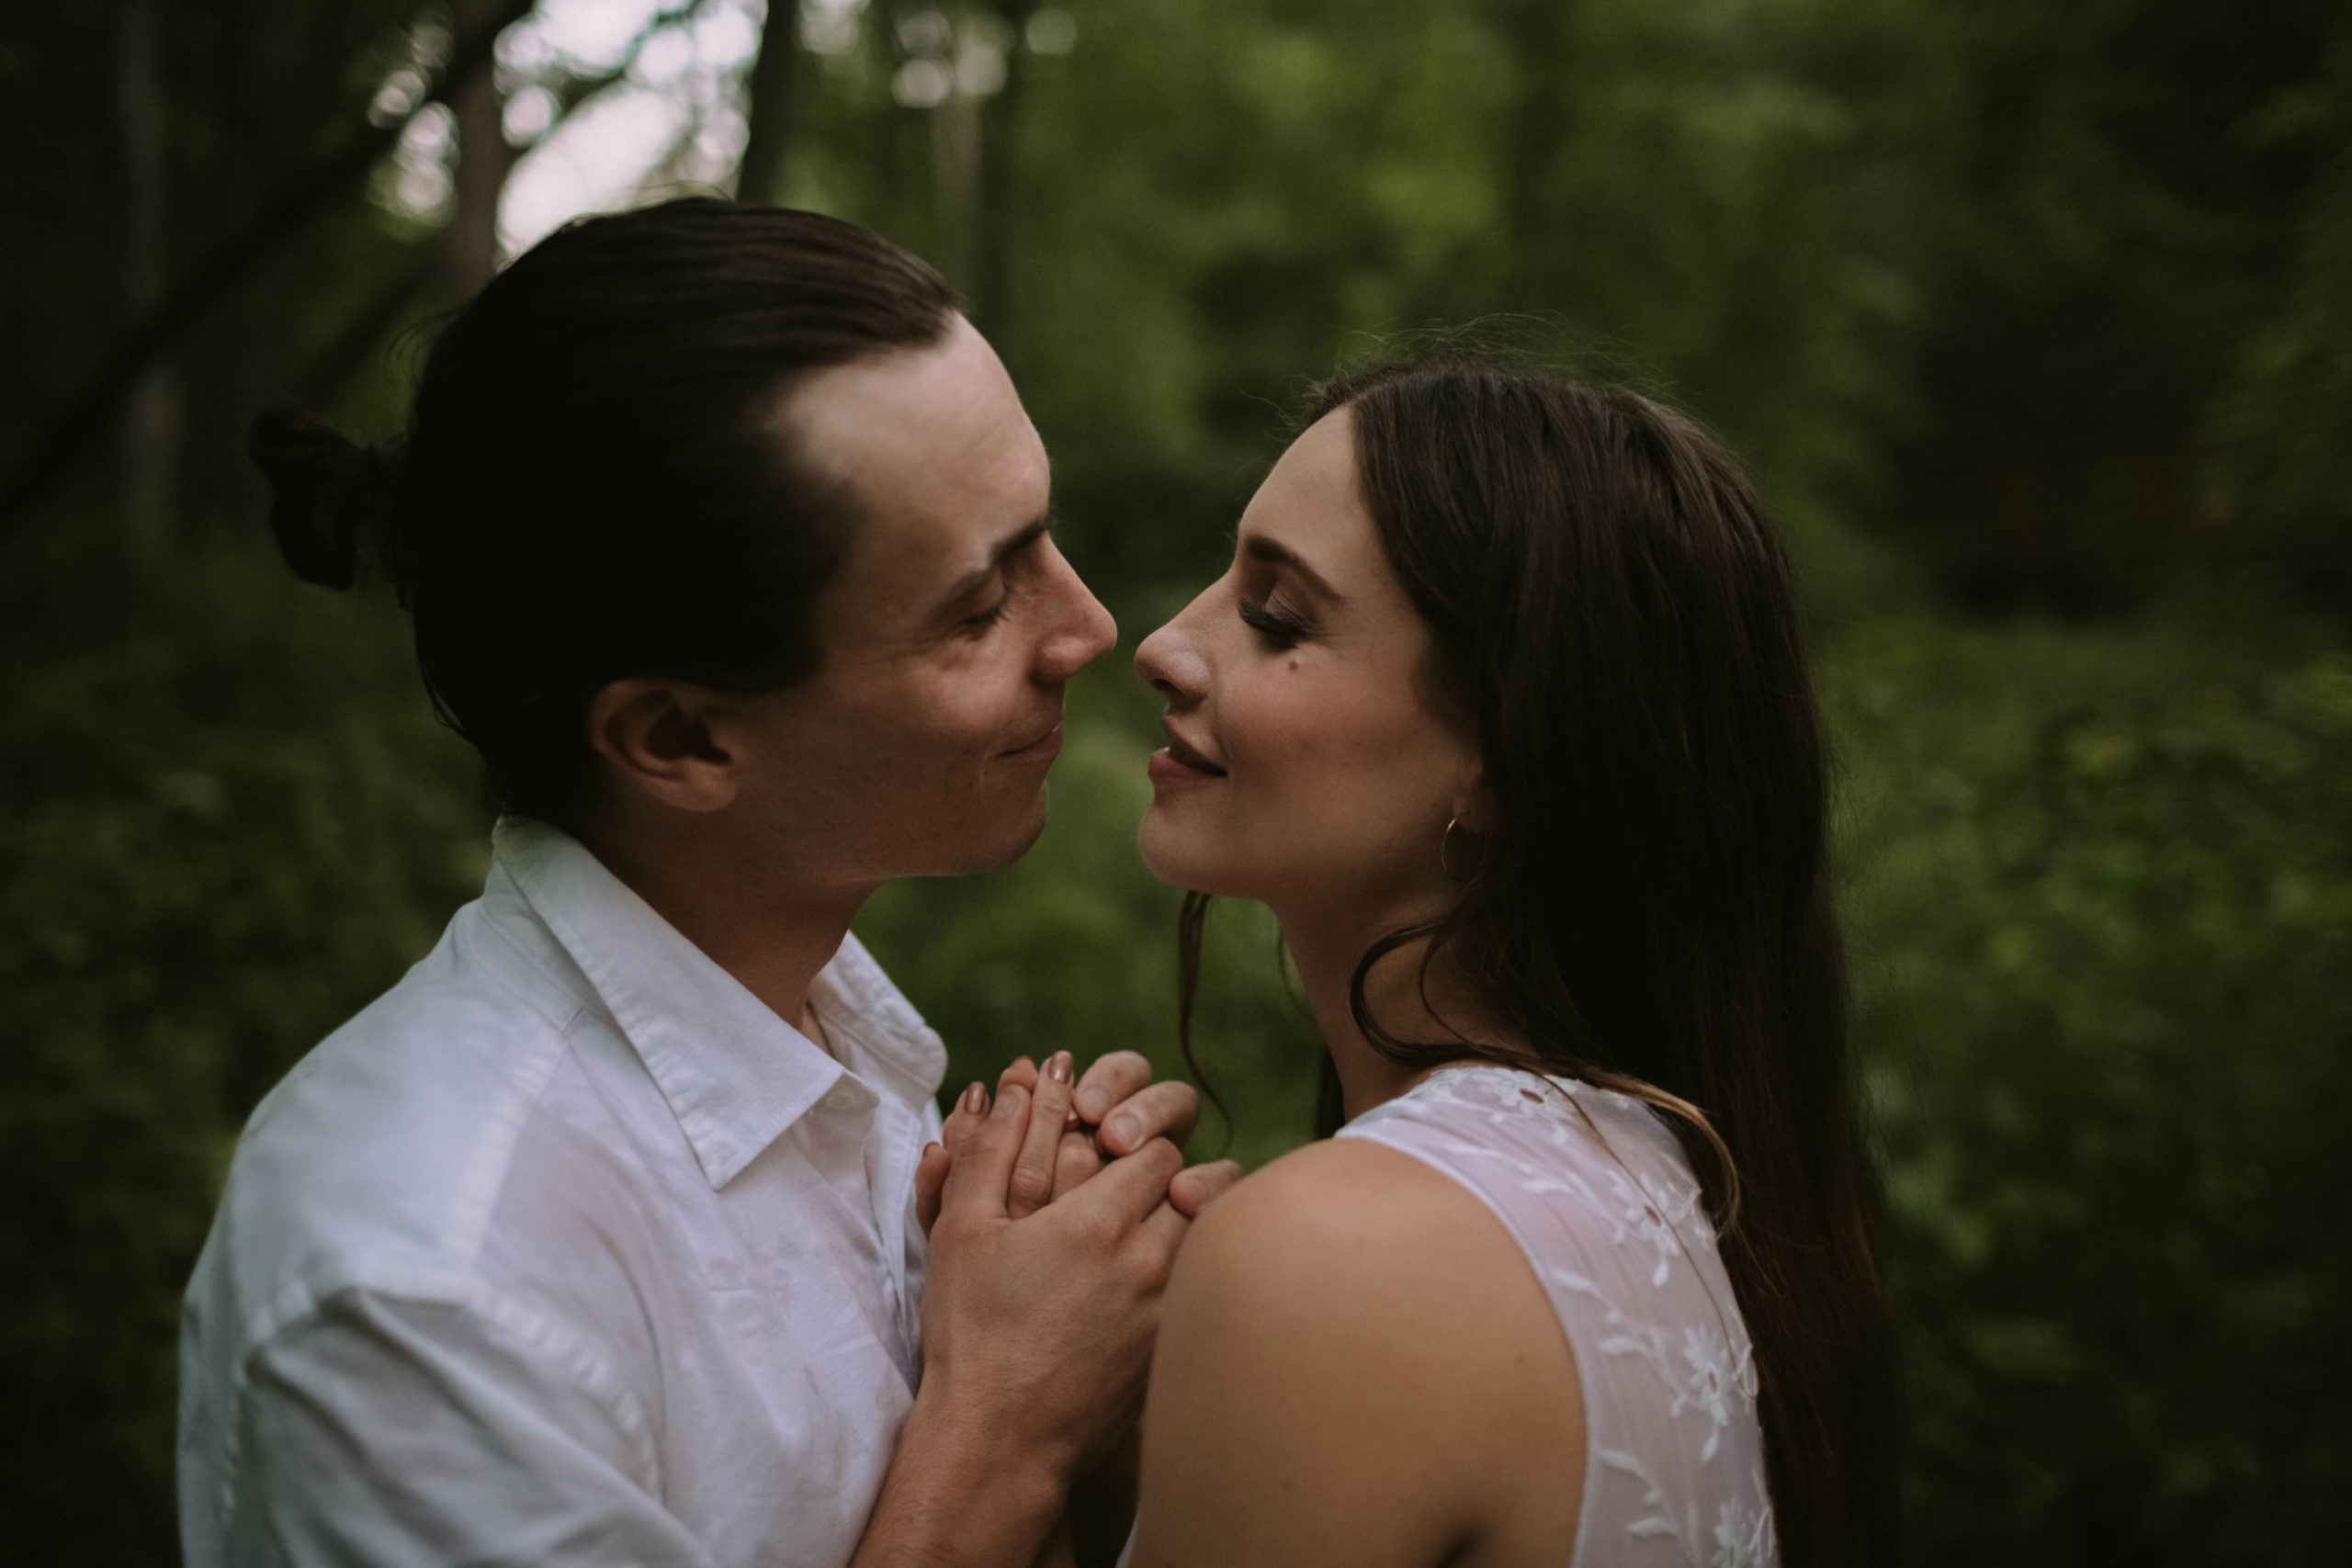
1282 630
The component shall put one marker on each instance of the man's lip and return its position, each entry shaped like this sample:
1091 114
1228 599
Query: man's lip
1186 755
1051 736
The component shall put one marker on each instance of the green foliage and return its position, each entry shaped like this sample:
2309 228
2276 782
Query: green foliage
2286 477
226 820
2125 186
2102 888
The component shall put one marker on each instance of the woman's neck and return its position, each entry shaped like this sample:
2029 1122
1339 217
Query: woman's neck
1326 945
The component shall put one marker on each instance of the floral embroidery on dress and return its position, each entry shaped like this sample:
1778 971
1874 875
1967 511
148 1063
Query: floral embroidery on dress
1600 1200
1744 1538
1713 1382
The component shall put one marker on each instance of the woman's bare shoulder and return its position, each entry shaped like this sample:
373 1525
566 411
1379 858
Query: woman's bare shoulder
1297 1247
1355 1364
1367 1198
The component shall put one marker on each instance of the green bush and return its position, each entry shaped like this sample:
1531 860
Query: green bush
227 819
2102 893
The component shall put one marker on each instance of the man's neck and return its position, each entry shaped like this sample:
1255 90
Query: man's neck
771 930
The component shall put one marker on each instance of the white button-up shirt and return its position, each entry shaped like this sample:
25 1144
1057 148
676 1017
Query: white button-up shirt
567 1251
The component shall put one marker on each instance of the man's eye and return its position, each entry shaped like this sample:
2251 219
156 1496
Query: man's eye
1282 631
991 615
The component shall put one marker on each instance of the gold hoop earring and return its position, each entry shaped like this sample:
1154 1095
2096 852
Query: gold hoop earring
1445 851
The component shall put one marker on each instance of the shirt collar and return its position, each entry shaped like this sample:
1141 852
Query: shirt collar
734 1074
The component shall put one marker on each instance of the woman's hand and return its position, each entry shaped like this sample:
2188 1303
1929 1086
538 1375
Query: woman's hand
1112 1112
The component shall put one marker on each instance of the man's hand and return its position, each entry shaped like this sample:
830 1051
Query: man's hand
1114 1110
1043 1319
1036 1335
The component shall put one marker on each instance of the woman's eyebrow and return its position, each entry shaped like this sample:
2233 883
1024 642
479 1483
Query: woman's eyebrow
1257 546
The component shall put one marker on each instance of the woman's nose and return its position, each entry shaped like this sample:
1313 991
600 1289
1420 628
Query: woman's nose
1171 663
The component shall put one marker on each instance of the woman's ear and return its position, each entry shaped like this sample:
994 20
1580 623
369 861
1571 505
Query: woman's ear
657 738
1474 803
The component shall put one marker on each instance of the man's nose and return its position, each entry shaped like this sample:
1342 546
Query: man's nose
1085 632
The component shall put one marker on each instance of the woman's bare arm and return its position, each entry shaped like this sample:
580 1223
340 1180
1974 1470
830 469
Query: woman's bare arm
1356 1365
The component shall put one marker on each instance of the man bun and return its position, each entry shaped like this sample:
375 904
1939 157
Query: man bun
330 494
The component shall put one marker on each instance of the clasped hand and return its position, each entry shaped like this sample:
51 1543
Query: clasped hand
1050 1245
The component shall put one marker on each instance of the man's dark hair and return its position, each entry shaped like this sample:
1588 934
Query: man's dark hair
594 483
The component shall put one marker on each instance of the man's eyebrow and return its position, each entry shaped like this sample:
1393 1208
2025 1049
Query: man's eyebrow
1003 550
1258 547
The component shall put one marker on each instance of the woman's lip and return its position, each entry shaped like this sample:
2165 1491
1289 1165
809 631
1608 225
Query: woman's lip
1184 756
1168 769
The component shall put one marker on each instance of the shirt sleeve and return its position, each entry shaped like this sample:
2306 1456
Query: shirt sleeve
385 1432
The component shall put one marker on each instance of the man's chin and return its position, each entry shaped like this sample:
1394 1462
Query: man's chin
1007 844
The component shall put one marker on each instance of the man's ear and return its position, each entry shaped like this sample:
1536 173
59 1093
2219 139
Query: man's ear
657 738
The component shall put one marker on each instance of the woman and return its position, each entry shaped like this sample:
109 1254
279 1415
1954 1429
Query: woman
1502 709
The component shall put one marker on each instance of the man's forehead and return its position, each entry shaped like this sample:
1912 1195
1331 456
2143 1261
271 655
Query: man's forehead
933 441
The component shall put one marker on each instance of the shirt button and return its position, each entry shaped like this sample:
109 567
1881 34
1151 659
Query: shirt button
843 1099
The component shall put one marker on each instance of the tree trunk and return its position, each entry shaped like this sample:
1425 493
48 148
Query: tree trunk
955 133
767 138
150 430
484 158
995 246
97 404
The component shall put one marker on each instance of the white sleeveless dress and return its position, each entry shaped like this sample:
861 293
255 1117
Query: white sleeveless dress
1597 1195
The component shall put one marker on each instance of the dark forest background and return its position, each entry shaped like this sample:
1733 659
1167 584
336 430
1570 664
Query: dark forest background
2034 318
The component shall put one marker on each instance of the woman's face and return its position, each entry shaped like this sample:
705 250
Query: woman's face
1308 762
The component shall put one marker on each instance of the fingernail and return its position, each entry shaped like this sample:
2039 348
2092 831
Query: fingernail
927 1148
1121 1128
1008 1104
1058 1066
976 1099
1091 1104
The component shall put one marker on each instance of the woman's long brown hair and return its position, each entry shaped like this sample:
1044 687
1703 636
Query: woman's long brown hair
1653 909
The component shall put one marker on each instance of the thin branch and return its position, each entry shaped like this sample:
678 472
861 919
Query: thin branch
374 319
569 95
769 107
88 415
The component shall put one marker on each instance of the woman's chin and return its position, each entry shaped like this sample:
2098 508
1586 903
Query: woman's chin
1177 856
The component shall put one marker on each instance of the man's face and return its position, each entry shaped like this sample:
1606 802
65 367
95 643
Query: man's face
920 746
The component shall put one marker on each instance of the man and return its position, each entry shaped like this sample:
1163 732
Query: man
593 1241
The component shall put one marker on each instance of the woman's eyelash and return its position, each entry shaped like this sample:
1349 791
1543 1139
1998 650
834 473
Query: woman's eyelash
992 614
1278 628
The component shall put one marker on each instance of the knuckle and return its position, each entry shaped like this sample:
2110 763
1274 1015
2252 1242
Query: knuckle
1100 1228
